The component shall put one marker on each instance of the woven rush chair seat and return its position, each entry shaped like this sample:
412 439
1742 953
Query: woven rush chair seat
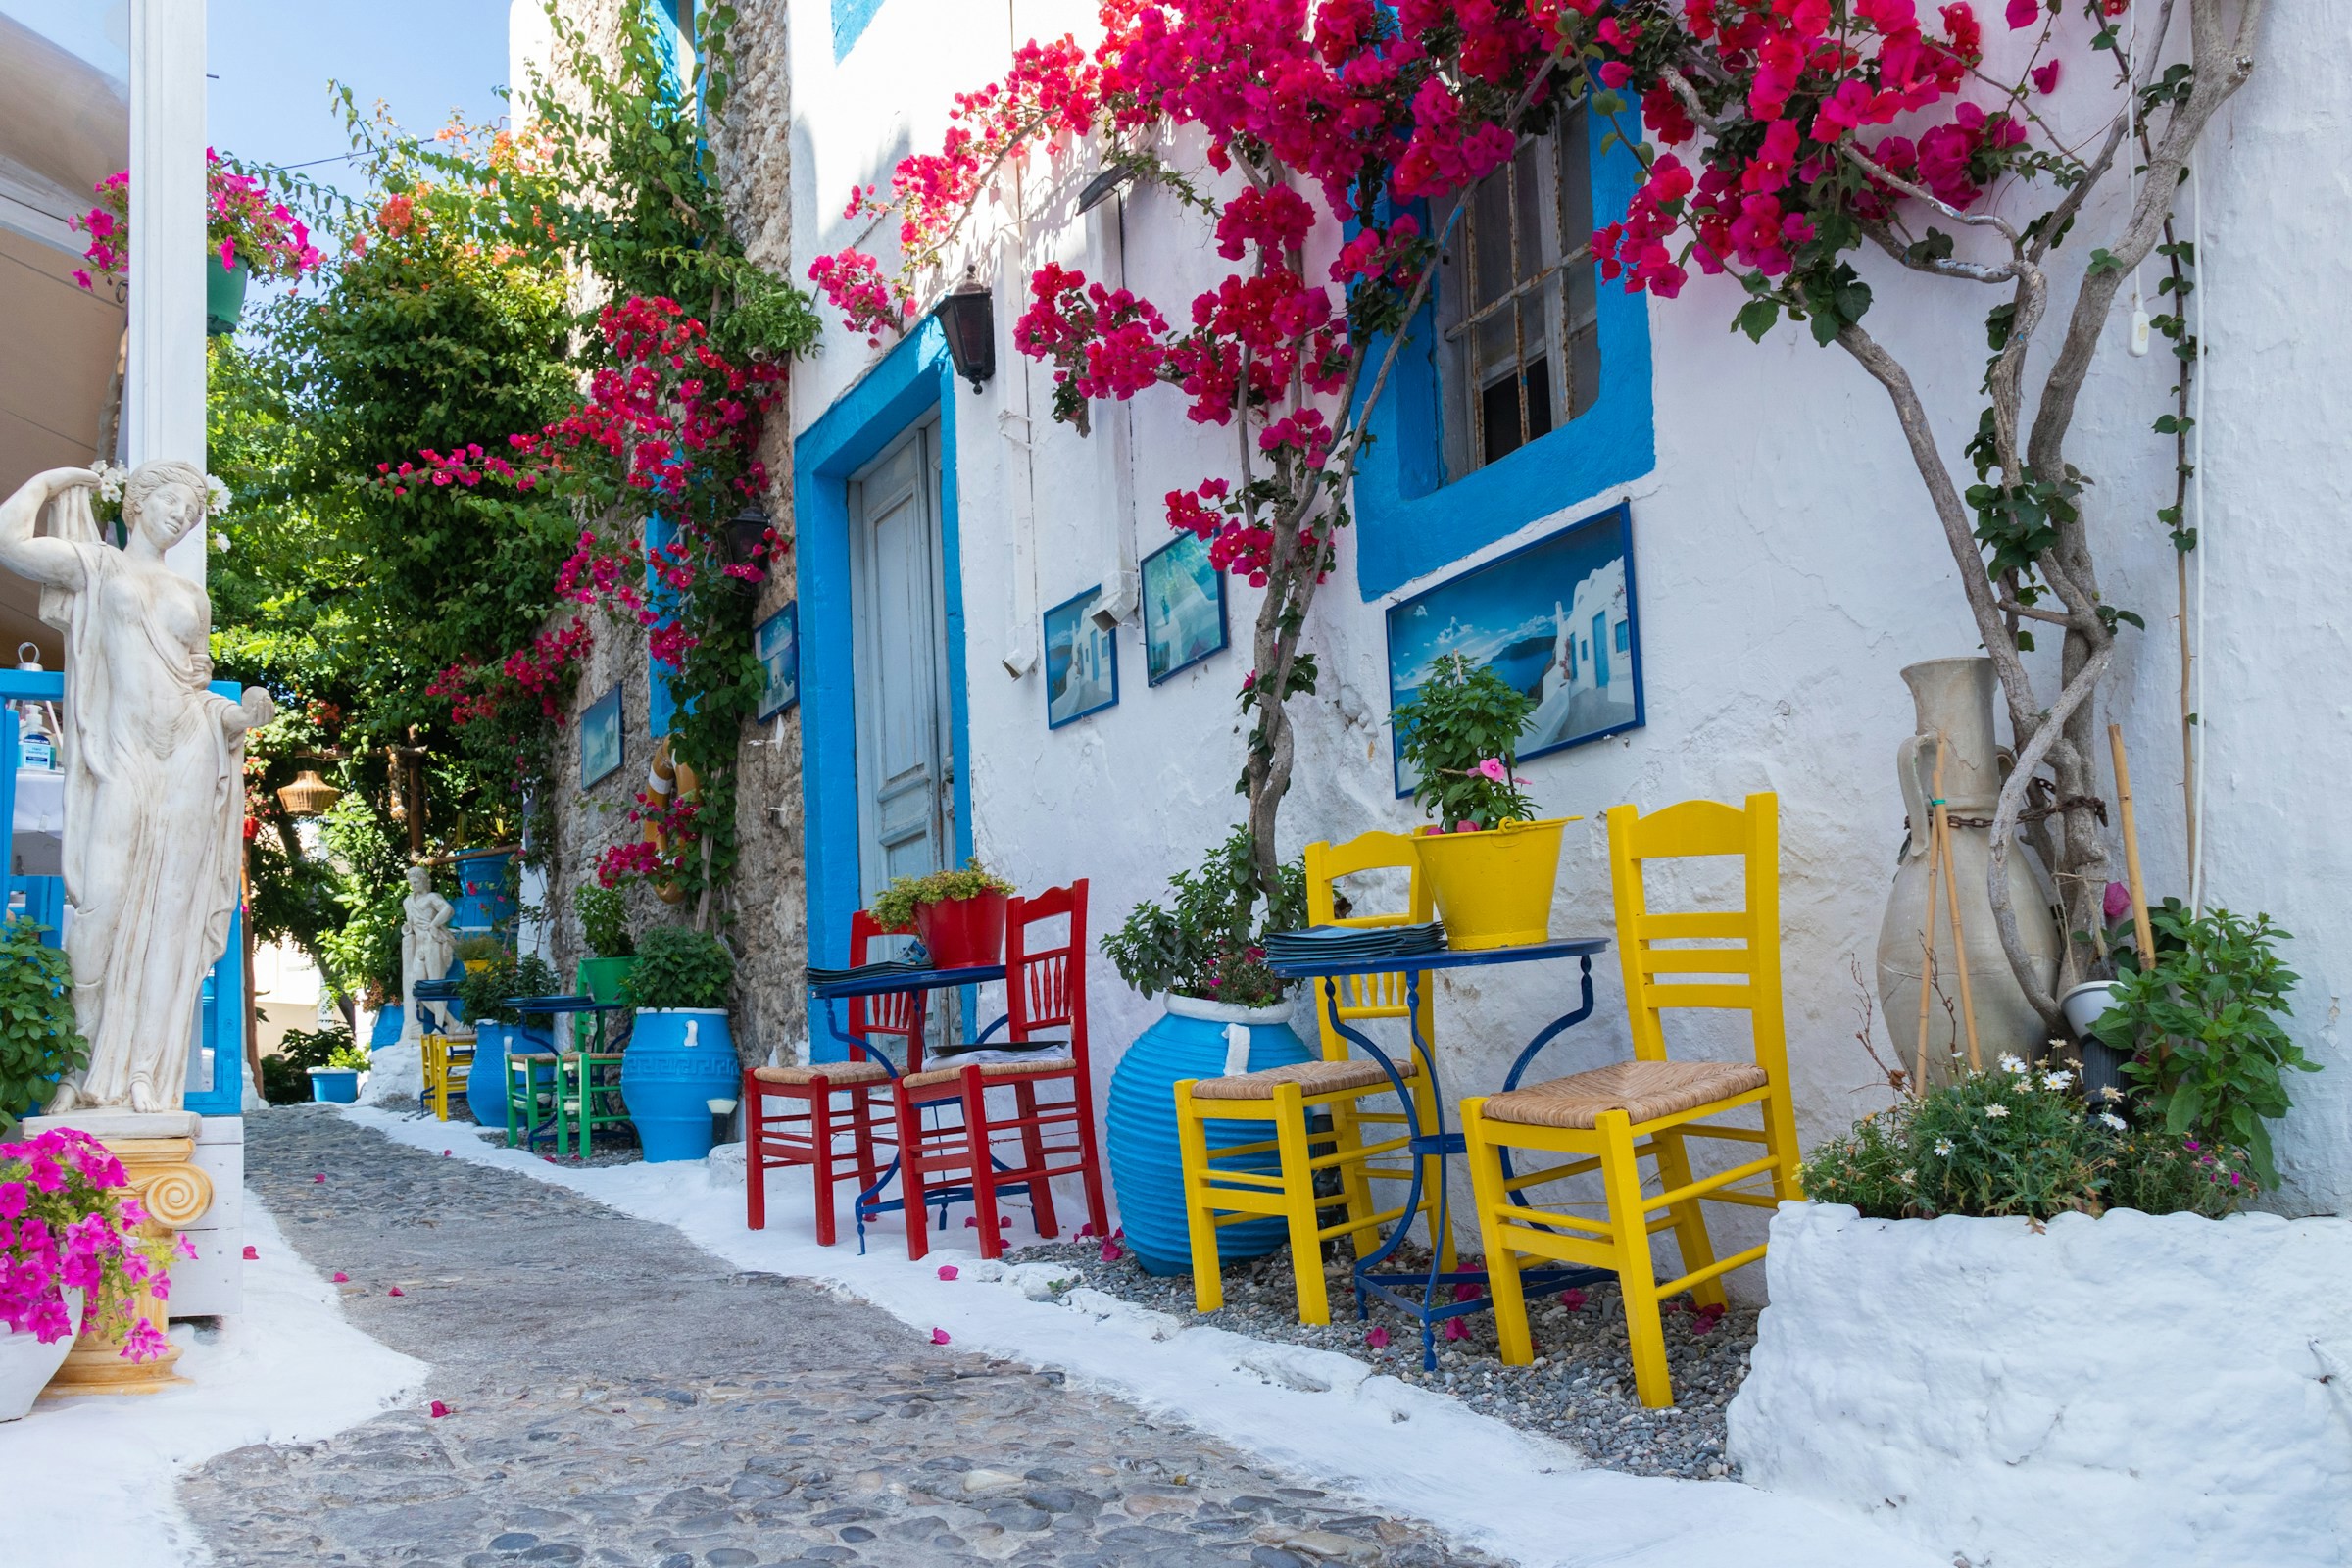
1311 1077
988 1069
1643 1089
833 1072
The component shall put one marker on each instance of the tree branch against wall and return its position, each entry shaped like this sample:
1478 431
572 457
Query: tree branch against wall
1800 134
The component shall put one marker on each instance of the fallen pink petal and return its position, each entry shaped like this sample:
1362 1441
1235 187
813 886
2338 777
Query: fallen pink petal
252 1254
938 1336
341 1278
1377 1338
948 1271
439 1409
395 1291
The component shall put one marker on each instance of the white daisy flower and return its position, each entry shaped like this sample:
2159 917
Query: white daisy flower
1996 1112
216 497
2011 1065
110 479
1943 1148
1908 1177
2114 1122
2111 1093
2057 1080
2024 1086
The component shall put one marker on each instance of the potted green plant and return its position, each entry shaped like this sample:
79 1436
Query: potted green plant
2201 1027
337 1081
72 1237
680 1067
1491 864
39 1043
605 928
286 1071
1225 1011
957 915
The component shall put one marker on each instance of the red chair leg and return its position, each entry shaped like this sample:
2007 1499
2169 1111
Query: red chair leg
1033 1158
755 1163
1089 1158
820 1155
911 1191
984 1167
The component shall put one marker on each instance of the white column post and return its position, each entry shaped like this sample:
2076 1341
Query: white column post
165 388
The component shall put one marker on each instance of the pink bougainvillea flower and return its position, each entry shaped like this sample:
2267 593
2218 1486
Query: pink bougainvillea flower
1377 1338
319 1177
439 1409
1465 1293
1573 1300
2116 903
396 1291
938 1336
1456 1329
1112 1251
445 1153
2046 78
252 1254
1086 1230
948 1271
2024 13
342 1278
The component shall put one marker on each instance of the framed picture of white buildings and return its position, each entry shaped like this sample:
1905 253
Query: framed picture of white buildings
1183 608
777 644
599 738
1555 618
1082 661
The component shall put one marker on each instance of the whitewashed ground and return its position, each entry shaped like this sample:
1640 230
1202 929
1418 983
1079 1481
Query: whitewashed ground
91 1482
1326 1416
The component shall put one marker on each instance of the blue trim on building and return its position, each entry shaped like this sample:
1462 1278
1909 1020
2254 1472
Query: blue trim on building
661 705
850 18
1411 522
913 379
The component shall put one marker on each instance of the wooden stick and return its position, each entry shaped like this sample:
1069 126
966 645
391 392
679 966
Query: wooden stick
2141 931
1927 968
1951 897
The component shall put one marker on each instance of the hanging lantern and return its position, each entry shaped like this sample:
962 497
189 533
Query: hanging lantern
308 795
969 318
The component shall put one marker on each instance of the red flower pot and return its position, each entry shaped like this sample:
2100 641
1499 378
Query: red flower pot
963 933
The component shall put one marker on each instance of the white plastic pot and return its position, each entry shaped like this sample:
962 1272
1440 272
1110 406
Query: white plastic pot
27 1364
2085 1004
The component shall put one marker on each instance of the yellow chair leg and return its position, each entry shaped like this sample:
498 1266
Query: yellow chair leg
1502 1264
1636 1275
1779 1141
1192 1140
1347 1132
1299 1203
1690 1224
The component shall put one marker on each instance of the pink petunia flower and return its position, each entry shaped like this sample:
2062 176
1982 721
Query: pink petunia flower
1492 769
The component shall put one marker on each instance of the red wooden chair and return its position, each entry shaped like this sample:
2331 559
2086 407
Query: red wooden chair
1044 991
803 1132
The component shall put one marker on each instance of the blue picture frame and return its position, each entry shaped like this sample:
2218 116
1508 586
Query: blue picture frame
1556 617
1184 598
601 739
1081 663
777 643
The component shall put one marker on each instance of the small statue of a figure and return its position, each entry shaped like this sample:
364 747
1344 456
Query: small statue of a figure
155 773
426 950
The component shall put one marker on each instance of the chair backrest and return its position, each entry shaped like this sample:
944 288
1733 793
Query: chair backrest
1044 988
1367 996
1742 967
894 1012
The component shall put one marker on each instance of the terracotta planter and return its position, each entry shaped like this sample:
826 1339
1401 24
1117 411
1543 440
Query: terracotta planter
963 933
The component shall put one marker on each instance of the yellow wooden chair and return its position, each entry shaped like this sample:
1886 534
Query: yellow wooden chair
448 1066
1286 1097
1612 1118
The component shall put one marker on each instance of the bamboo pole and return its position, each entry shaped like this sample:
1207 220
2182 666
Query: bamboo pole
1927 967
2141 931
1951 897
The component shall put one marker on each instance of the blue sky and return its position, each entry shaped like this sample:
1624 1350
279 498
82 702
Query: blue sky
272 59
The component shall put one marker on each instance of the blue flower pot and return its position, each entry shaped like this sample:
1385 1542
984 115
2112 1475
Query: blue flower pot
486 1084
334 1086
485 892
387 1024
679 1059
1140 1137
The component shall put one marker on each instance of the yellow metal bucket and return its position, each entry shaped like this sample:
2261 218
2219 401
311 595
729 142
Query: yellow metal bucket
1494 889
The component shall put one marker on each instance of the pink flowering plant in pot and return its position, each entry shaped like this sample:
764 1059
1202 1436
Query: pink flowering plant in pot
244 226
1461 741
68 1222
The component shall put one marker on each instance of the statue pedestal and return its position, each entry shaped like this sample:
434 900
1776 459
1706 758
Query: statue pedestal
158 1155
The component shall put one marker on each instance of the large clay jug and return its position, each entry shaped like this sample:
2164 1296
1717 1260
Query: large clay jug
1954 697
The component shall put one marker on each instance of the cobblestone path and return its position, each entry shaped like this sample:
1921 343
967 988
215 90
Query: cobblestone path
618 1396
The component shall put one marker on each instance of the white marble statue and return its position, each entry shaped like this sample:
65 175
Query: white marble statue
426 950
155 773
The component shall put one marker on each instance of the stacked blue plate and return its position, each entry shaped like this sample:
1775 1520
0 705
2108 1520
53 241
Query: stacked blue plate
1346 944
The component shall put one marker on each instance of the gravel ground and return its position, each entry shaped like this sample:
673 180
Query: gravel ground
1580 1388
603 1392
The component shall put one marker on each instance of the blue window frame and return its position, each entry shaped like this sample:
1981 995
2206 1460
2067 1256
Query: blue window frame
662 599
850 18
1413 520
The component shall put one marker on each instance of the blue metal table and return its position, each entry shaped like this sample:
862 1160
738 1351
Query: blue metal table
1418 1292
871 1204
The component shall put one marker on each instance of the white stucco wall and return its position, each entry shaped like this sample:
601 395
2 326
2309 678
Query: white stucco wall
2103 1394
1788 565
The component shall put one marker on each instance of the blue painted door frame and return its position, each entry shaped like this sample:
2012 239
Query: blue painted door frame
912 380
